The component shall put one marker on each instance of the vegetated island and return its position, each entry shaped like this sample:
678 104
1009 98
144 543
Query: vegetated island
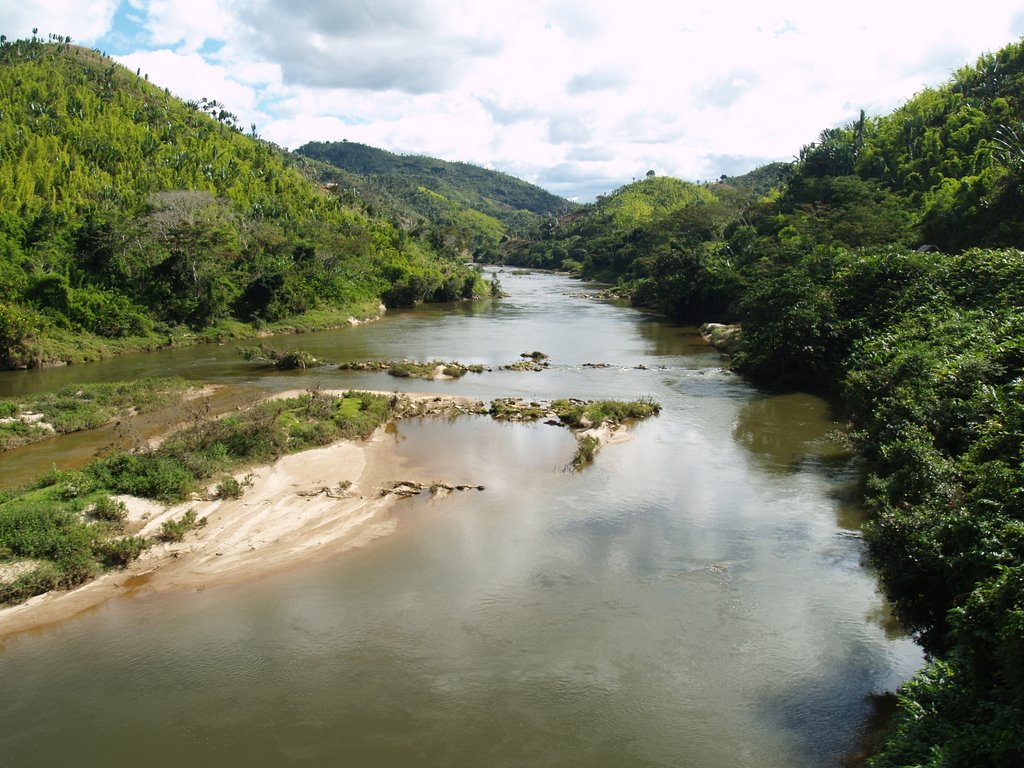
291 359
298 476
26 420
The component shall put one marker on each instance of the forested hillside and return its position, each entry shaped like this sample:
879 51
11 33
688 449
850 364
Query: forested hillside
459 203
130 218
885 268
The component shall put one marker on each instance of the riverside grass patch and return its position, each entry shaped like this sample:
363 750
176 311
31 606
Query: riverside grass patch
74 408
68 529
594 413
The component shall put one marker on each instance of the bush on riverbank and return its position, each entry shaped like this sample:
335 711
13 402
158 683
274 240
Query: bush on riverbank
927 352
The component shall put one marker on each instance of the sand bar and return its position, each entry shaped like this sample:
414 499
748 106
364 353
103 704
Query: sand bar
305 506
308 505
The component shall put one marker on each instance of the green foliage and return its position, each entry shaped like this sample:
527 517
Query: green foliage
760 182
924 345
125 213
514 409
108 509
417 370
282 360
261 434
658 236
150 475
175 530
594 413
37 581
462 207
119 552
43 526
927 351
75 408
69 521
228 487
19 327
586 449
946 169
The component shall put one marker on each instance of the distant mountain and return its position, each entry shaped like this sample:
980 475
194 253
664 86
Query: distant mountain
761 181
441 191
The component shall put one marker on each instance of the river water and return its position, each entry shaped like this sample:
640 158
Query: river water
696 597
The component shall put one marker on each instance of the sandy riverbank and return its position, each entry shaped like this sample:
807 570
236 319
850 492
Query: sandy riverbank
313 504
307 505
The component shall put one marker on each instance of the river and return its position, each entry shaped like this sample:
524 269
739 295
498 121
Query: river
696 597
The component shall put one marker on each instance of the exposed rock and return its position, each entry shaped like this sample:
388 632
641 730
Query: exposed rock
526 365
724 338
406 488
518 409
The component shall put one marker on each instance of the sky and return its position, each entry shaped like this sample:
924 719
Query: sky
579 97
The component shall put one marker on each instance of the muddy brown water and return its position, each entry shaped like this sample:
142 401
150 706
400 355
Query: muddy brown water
697 597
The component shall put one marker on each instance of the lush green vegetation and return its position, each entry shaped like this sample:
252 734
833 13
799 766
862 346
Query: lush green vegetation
74 408
68 529
654 237
454 205
281 359
130 219
592 414
588 414
884 266
491 192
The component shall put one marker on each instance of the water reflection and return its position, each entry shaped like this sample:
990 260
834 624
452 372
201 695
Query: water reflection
782 431
670 340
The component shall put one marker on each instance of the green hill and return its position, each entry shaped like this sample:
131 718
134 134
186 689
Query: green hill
129 218
637 236
461 203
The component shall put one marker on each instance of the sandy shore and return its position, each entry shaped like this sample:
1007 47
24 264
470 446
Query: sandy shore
308 505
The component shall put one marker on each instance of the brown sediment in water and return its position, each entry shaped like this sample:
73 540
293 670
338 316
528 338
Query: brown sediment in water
305 506
294 510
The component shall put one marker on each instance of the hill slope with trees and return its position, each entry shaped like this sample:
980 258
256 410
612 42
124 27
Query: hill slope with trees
129 217
457 202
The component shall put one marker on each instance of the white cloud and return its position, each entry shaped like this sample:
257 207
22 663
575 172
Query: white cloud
184 24
578 95
84 22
